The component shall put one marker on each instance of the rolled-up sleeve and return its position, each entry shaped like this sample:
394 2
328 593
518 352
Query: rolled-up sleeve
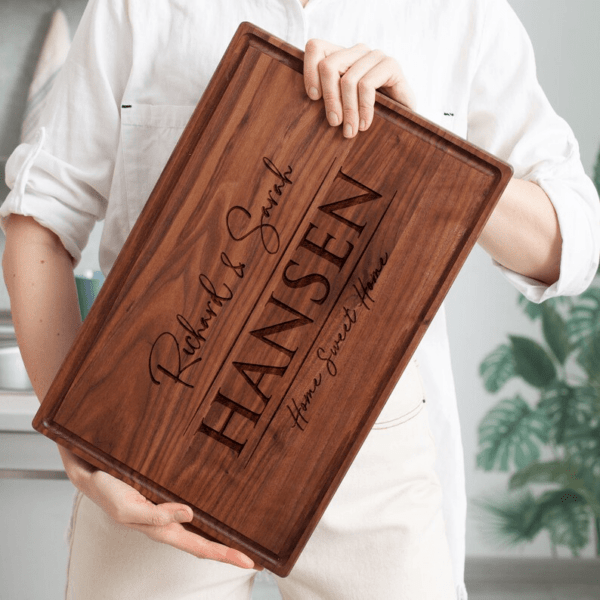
62 179
510 116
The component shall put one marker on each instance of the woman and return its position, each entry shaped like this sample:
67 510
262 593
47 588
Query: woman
465 64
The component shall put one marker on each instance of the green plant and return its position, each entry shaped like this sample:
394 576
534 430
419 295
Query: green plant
565 372
563 423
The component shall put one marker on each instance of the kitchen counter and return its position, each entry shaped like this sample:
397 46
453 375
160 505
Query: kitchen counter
17 410
25 453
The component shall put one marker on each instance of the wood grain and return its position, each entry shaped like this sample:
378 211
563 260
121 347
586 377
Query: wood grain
267 301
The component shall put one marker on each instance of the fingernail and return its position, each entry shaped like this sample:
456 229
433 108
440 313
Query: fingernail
313 93
333 118
362 125
181 516
347 130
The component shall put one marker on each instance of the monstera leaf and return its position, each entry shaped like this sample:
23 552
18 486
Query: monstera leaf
559 472
565 516
532 310
553 325
583 448
511 431
526 358
567 407
520 517
516 517
497 368
535 311
589 356
584 318
555 332
532 362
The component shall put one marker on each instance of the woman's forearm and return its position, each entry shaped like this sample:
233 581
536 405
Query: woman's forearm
523 232
39 276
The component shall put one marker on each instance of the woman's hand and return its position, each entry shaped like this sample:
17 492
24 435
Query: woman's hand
160 522
347 78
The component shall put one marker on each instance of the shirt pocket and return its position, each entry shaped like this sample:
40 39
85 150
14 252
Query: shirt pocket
405 402
149 134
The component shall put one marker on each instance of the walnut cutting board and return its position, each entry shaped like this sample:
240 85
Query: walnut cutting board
267 301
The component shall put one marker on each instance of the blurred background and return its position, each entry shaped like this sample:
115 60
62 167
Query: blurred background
534 360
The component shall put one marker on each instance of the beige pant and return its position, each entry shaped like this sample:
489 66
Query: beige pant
381 538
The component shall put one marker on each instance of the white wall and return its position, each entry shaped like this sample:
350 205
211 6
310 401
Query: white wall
482 306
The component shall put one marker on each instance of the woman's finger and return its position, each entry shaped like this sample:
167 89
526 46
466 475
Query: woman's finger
324 67
126 505
177 536
386 75
358 108
314 53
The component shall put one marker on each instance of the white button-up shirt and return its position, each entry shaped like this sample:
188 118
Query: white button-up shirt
469 63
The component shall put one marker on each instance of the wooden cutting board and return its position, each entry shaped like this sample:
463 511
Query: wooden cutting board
267 301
